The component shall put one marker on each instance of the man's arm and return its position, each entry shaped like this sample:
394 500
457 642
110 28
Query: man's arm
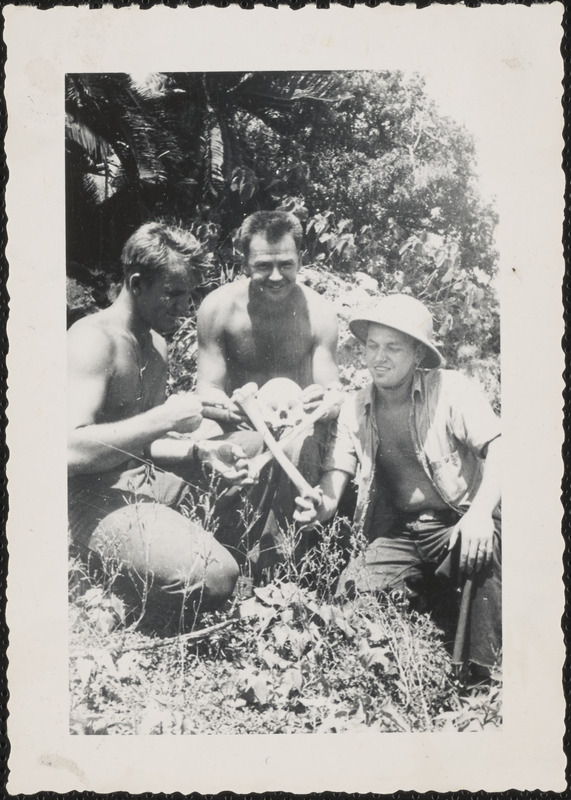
340 464
325 372
212 369
96 447
224 458
476 528
322 506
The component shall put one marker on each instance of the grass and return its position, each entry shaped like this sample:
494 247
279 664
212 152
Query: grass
291 659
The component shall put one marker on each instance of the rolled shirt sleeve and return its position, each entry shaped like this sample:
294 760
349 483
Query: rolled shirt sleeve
472 418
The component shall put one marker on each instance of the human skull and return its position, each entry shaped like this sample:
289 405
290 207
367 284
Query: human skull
281 403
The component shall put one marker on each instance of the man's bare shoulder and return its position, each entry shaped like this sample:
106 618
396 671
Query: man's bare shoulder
92 342
222 301
321 311
95 328
317 302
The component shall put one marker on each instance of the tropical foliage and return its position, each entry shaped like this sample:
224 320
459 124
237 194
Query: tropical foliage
384 183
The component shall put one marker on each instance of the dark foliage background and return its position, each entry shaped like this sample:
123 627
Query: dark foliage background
385 185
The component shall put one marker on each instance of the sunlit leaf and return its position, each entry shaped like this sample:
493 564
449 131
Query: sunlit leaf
448 275
340 620
390 711
326 613
376 632
281 634
260 687
127 664
446 325
228 688
292 681
271 595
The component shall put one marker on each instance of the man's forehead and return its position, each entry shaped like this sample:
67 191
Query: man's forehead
176 272
260 244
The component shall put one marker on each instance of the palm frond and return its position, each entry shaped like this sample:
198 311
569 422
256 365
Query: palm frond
281 90
93 189
95 146
150 85
215 157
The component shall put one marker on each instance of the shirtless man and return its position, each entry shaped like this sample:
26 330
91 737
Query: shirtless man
425 447
124 513
266 327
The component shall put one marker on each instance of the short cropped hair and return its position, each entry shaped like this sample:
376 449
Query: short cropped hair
155 246
273 225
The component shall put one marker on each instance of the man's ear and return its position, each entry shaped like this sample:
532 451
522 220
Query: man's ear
420 353
134 282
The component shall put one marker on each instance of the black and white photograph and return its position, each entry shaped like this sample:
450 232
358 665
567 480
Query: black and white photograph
284 396
296 391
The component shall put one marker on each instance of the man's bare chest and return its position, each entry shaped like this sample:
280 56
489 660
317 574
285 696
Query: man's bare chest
269 340
395 434
134 386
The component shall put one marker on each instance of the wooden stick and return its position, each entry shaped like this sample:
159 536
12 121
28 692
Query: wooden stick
246 398
458 654
194 636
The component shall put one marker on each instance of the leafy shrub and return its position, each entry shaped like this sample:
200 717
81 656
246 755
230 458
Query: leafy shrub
291 658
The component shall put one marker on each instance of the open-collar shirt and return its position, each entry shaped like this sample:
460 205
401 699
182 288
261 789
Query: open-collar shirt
451 424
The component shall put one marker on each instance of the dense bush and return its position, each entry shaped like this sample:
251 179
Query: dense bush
384 184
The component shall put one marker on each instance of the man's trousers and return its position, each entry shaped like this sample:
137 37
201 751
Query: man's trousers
415 551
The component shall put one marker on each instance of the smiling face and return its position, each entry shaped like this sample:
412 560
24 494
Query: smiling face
391 356
272 266
162 301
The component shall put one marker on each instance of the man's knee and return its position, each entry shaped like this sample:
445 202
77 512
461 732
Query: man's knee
166 556
362 578
198 571
201 584
220 577
385 566
195 569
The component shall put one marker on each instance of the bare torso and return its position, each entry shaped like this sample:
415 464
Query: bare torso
411 489
136 370
264 340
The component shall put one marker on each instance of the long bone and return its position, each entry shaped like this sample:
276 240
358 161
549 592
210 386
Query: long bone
257 463
246 398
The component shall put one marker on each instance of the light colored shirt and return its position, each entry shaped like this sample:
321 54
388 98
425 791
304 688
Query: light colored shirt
451 424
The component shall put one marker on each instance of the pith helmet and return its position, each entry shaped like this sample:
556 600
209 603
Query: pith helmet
403 313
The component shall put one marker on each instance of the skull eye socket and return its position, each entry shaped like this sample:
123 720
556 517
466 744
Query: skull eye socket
280 400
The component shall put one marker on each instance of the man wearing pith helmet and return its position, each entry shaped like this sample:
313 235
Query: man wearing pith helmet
423 445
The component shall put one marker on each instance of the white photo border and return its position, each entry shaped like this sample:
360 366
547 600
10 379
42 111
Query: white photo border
502 59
